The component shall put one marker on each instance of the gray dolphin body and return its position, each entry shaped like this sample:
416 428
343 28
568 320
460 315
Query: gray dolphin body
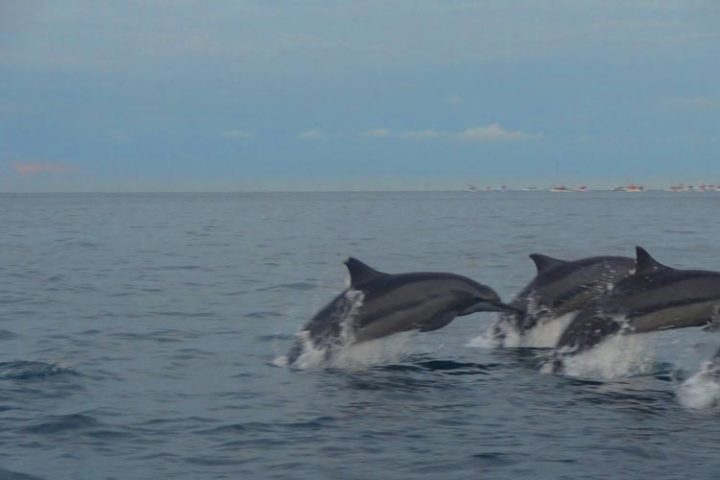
562 287
654 297
379 304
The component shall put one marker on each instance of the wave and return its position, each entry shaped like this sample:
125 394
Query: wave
28 370
11 475
62 423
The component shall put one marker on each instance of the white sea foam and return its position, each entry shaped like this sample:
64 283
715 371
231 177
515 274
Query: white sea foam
310 356
701 391
385 350
355 299
356 356
543 335
616 357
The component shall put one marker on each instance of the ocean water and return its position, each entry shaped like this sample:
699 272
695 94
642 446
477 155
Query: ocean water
142 335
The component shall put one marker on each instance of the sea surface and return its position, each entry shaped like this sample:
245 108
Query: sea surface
142 337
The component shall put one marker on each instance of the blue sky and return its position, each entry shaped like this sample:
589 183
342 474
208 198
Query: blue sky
274 95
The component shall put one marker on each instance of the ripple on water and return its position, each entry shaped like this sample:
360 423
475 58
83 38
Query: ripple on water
53 424
263 314
494 459
297 286
275 336
7 335
11 475
159 336
216 460
28 370
269 427
447 367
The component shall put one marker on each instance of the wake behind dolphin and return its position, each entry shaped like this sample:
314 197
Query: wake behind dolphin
654 297
379 304
701 391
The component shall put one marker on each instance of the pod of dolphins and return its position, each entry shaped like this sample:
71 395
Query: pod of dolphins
606 295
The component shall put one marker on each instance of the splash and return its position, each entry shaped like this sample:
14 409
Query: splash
310 355
343 352
616 357
392 349
355 299
701 391
543 335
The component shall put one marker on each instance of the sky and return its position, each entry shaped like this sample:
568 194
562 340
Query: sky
248 95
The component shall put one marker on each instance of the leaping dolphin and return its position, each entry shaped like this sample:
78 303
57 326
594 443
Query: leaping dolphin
561 287
654 297
379 304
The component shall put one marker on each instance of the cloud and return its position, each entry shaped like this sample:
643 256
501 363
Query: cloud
491 133
376 133
238 134
313 134
35 168
421 134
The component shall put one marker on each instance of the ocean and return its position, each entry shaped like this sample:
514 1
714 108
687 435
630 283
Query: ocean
142 337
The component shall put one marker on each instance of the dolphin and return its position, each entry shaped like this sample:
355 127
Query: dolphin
654 297
561 287
379 304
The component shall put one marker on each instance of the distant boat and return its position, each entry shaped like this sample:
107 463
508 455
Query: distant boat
559 189
581 188
472 188
632 188
680 187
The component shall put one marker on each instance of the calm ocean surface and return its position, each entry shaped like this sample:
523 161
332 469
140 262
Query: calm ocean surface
140 339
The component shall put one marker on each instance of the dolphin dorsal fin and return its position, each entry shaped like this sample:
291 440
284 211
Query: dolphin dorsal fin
645 264
543 263
361 274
